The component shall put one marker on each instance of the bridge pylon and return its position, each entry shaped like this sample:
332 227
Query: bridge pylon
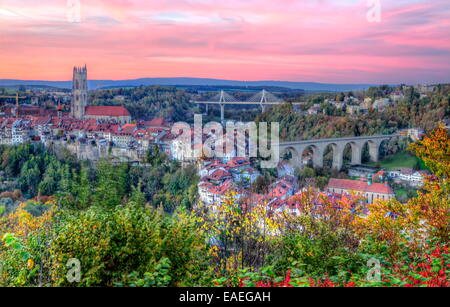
262 99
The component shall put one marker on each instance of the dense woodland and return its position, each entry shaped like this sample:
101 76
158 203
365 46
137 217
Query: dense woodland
34 172
173 104
410 112
146 102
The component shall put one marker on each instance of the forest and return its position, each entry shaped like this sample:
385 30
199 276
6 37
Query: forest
32 171
413 111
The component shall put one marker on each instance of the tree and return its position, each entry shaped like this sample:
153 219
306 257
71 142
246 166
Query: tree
422 218
239 234
111 184
307 172
261 185
434 149
30 176
124 244
24 259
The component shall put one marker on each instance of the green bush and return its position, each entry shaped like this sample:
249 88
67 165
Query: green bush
111 244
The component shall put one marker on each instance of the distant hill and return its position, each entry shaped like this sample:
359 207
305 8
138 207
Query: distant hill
97 84
35 86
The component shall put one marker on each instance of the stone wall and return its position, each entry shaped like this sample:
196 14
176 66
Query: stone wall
95 152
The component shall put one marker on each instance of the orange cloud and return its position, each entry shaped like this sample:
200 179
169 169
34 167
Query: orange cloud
310 40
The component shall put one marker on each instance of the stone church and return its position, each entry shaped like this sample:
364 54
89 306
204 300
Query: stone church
79 105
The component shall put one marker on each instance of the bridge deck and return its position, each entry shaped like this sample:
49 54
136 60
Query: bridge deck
246 102
349 139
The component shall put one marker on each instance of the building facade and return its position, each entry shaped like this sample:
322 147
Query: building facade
106 113
371 191
79 105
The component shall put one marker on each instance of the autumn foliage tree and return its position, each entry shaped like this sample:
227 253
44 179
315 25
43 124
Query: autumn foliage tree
24 249
393 224
240 235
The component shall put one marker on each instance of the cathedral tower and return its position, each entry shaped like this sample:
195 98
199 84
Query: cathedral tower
79 92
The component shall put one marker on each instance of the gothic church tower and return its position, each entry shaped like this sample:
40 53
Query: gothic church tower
79 92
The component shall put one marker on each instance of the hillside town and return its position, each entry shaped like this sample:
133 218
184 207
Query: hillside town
97 132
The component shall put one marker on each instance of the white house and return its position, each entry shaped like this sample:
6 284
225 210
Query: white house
411 176
20 132
380 104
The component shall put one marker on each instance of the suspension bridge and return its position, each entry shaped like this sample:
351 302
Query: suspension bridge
262 98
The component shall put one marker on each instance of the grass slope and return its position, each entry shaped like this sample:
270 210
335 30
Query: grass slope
399 160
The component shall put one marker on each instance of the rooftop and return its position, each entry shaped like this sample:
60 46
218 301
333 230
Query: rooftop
106 111
360 186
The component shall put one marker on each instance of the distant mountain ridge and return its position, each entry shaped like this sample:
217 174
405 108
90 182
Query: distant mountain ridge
97 84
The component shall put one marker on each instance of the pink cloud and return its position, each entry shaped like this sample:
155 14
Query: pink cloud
310 40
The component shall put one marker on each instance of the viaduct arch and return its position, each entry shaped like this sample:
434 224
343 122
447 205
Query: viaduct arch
297 148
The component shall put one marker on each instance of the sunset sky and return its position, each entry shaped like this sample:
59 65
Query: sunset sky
292 40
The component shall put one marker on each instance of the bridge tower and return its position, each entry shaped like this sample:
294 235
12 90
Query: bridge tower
222 106
263 99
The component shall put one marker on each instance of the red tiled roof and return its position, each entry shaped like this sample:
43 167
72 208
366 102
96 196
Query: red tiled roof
128 128
221 189
219 174
355 185
237 162
380 173
280 189
107 111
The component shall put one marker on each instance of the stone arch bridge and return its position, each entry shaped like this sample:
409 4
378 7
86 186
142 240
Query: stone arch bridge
338 146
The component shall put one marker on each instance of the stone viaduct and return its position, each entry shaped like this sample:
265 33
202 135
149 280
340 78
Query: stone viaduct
338 146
